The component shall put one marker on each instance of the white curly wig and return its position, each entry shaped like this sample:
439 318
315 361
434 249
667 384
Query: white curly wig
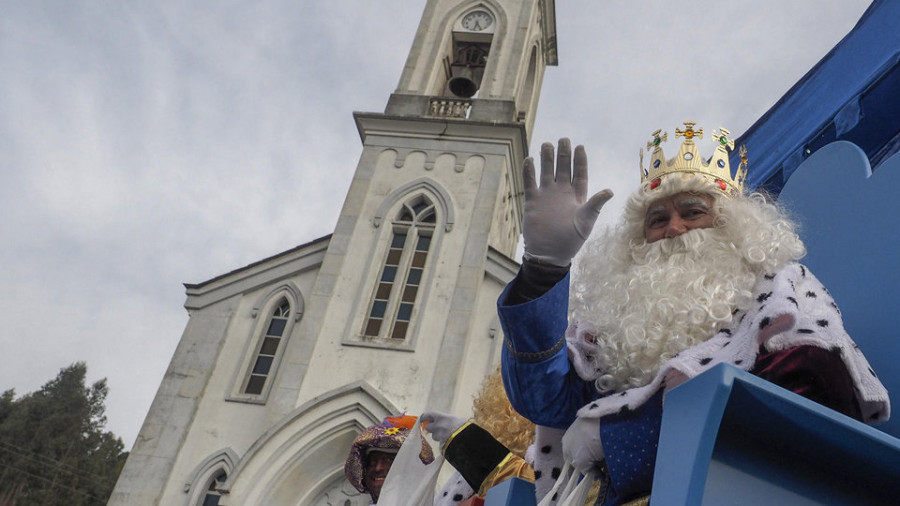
642 303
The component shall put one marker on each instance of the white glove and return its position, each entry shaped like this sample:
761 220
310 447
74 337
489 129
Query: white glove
581 444
441 425
557 220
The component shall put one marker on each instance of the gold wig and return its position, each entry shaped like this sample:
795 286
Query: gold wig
494 413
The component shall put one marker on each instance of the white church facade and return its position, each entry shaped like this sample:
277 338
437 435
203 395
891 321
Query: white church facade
284 361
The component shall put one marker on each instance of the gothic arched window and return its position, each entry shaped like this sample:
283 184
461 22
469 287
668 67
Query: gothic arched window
272 320
206 483
396 291
268 348
212 495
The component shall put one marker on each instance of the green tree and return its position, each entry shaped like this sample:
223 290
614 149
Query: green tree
53 449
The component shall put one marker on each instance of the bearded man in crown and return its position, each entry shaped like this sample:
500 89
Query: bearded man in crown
696 273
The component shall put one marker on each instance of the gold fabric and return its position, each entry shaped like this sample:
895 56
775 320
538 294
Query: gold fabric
511 466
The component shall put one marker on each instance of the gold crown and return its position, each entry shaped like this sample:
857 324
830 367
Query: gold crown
688 161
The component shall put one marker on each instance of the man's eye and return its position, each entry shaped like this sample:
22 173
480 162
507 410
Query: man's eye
655 222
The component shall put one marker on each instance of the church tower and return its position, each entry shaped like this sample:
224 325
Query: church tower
285 360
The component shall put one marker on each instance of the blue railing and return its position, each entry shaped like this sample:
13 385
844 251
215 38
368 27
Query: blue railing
731 438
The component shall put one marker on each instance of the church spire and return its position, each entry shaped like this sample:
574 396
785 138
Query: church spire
481 61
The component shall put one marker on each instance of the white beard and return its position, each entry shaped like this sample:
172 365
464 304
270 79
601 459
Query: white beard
644 303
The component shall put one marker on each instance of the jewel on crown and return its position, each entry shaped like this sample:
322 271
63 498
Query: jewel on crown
688 161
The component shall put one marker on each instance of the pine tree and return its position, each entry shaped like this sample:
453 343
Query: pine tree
53 449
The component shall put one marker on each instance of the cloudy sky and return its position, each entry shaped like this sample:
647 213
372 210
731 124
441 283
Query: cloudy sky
148 144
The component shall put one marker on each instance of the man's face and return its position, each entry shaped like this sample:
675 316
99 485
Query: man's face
672 216
377 466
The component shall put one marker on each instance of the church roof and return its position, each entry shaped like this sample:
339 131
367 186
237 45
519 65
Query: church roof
247 267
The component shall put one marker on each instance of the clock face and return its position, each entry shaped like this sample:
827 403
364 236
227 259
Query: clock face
477 21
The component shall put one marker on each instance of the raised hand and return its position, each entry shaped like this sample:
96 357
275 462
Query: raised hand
557 220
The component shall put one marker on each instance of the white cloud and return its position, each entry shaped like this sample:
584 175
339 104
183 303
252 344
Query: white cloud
147 145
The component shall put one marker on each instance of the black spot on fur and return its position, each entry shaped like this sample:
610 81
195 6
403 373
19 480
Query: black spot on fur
622 393
803 271
704 361
727 332
742 318
769 276
537 474
625 410
735 311
822 323
763 296
794 301
726 344
546 448
445 493
836 308
805 331
555 473
593 406
738 362
872 373
457 497
836 350
764 323
811 295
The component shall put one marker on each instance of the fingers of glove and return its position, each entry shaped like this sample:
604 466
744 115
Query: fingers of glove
564 162
586 215
547 175
585 462
528 182
429 416
598 200
436 418
441 425
580 174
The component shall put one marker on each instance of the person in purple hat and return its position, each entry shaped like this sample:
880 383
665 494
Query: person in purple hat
372 454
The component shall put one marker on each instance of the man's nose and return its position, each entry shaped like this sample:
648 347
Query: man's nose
382 465
676 226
